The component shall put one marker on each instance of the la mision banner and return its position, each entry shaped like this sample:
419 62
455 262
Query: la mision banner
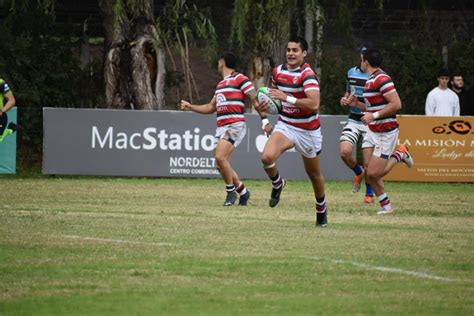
166 144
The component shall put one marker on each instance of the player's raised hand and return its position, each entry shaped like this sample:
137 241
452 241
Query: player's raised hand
349 100
185 105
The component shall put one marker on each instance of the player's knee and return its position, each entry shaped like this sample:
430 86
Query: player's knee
268 164
316 177
371 175
345 153
220 158
267 160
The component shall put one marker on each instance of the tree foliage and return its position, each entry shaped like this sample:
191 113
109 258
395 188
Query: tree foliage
412 58
181 27
38 63
261 27
40 60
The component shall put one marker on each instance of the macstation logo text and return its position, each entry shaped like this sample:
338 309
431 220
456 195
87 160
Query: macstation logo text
150 139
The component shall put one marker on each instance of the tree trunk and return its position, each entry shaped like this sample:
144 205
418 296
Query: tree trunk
277 49
319 39
444 54
134 63
85 47
309 27
261 64
259 72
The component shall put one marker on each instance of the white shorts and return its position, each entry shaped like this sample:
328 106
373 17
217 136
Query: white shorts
352 132
383 143
307 143
233 133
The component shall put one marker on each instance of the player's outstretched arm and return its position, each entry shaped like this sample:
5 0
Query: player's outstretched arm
207 108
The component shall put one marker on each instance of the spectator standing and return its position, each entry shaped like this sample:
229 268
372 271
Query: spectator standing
442 101
470 102
457 85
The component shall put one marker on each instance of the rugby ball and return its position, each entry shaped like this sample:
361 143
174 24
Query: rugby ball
274 105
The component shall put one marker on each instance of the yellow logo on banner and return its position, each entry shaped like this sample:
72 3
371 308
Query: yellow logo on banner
457 126
442 148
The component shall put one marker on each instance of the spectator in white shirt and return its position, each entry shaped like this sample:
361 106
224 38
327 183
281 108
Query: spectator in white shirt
442 101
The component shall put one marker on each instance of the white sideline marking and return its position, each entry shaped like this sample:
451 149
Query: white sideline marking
388 269
119 241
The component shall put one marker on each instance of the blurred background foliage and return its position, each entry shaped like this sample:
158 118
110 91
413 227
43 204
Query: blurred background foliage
42 42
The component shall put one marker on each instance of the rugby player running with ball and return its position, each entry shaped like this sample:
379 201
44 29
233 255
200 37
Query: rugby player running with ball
297 86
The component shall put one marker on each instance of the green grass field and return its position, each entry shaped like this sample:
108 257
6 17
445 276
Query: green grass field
109 246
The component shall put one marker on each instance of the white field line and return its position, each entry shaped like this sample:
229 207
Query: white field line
388 269
118 241
338 261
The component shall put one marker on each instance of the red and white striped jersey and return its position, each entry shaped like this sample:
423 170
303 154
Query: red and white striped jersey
376 88
230 98
296 82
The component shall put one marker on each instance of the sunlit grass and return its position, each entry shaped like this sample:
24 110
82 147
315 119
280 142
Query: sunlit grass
147 246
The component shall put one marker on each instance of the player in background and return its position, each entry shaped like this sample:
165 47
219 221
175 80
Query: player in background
229 103
6 129
297 86
381 105
355 131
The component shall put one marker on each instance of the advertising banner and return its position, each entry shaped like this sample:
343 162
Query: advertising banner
8 147
442 148
166 144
